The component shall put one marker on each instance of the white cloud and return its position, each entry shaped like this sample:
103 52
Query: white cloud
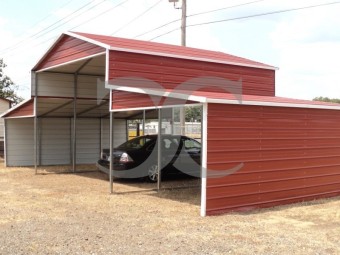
309 47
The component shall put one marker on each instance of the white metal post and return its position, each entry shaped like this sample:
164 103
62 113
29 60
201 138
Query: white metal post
143 122
111 152
39 120
5 142
182 119
71 143
204 138
35 142
159 151
74 131
100 136
35 122
173 120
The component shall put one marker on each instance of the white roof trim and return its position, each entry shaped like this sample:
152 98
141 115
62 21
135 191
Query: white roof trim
275 104
192 58
71 62
107 63
15 107
158 93
202 99
20 117
84 38
150 108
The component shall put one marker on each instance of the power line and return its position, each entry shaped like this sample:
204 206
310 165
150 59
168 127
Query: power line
53 37
169 32
154 29
197 14
48 16
50 30
15 46
264 14
249 16
134 19
224 8
98 15
45 32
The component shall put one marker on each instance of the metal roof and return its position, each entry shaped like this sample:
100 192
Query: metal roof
228 98
63 108
19 107
167 50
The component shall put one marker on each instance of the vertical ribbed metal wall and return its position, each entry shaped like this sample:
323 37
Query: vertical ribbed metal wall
170 72
68 49
289 155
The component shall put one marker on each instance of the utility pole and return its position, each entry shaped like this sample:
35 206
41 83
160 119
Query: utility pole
183 43
184 19
184 22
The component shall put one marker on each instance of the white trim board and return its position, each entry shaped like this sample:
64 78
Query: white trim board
202 99
84 38
71 62
152 107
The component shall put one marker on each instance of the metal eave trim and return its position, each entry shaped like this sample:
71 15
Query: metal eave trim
151 107
20 117
70 62
274 104
15 107
84 38
158 93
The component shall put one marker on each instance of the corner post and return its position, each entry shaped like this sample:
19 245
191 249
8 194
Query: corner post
74 128
35 77
204 138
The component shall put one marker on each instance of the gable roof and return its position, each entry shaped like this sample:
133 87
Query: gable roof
158 49
167 50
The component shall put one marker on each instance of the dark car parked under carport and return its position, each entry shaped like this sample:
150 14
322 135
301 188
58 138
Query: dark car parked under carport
179 154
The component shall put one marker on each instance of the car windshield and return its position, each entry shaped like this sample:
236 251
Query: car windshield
135 143
190 144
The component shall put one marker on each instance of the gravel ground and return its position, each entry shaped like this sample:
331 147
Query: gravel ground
54 213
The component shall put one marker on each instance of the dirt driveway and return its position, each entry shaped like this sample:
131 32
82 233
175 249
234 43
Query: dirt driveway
74 214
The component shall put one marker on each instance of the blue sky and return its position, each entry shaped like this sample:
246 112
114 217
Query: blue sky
304 44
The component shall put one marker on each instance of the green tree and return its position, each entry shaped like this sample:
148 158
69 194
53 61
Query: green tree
193 113
327 99
7 86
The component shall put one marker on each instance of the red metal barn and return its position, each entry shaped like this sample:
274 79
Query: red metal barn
284 150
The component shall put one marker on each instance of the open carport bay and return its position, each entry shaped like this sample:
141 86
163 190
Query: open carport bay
282 150
53 213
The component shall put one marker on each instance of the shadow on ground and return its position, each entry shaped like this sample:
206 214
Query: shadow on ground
181 188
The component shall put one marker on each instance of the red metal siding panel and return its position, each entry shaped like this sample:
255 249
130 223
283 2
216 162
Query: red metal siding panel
68 49
170 72
289 155
127 100
27 109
